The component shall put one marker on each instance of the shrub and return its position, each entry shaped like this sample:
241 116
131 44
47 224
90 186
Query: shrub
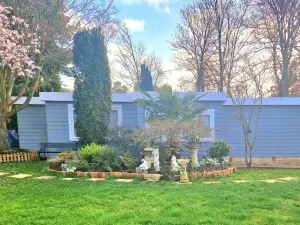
54 163
108 160
121 139
91 151
129 161
219 150
65 157
80 164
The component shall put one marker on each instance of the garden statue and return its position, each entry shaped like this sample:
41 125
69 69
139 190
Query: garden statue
184 178
143 167
152 157
156 160
174 164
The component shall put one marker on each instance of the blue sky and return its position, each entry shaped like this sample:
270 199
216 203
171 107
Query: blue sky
151 21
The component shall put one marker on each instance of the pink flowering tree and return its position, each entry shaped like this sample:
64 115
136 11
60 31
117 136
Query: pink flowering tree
19 56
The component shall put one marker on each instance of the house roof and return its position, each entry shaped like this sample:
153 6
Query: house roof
34 101
127 97
265 101
131 97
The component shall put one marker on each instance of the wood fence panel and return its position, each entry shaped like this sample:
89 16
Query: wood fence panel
19 157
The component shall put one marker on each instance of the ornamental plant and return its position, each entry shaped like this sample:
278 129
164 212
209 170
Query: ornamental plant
219 150
19 50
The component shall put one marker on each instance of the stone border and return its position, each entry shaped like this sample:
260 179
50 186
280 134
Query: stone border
99 174
19 157
224 172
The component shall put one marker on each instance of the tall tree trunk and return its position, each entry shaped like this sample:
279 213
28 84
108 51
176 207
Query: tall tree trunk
285 74
221 62
3 134
200 75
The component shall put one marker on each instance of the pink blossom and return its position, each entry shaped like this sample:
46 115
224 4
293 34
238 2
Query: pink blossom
17 46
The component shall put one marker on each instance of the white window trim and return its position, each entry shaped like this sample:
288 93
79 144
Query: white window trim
72 136
71 120
119 109
211 114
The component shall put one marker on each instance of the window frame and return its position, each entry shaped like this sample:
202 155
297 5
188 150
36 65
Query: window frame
71 121
211 114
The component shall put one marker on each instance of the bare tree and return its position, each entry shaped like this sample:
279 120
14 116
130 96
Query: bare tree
213 36
284 17
193 38
131 55
233 36
247 98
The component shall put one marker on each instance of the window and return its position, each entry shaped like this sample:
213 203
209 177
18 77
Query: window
116 119
208 117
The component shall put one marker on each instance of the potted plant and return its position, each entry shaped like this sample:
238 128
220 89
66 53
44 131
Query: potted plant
193 131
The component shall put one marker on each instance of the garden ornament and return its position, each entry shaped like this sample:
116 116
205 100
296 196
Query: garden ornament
143 167
156 160
174 164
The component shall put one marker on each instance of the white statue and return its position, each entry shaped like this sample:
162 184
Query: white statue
174 164
143 167
156 160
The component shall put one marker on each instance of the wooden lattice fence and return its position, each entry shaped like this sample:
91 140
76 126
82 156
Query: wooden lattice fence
19 157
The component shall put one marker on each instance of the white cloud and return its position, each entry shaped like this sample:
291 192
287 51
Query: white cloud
159 5
167 10
134 25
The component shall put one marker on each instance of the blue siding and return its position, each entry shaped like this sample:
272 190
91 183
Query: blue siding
278 133
32 127
130 120
58 124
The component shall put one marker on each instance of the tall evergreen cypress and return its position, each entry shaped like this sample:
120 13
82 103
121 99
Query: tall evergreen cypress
92 95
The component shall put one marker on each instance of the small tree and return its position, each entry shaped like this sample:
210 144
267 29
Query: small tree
247 98
92 95
18 48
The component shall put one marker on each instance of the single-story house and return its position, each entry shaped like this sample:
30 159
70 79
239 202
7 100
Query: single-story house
50 118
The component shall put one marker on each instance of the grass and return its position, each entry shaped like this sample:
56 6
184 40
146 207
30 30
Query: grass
29 201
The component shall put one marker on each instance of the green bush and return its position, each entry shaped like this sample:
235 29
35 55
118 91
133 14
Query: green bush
108 160
80 164
91 151
120 138
65 157
129 161
219 150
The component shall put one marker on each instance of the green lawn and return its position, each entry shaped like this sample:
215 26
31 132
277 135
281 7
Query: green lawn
29 201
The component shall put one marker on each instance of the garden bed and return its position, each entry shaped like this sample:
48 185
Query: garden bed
19 157
224 172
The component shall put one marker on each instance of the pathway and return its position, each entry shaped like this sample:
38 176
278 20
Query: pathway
22 176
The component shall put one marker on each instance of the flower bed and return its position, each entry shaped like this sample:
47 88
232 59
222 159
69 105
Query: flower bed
19 157
224 172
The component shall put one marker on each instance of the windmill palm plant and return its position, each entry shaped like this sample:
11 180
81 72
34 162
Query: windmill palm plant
168 105
166 113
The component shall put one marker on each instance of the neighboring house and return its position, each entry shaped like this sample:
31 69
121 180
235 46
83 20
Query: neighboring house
50 118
